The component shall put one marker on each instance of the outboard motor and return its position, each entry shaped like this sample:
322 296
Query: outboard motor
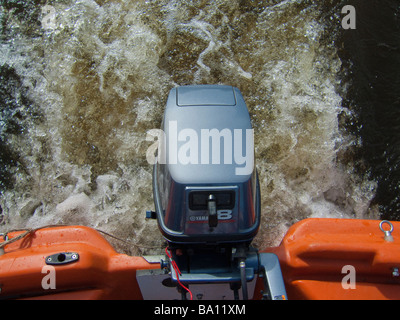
207 191
205 187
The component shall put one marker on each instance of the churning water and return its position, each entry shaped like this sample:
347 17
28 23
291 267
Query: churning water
81 82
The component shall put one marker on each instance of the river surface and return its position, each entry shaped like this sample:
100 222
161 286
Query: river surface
81 82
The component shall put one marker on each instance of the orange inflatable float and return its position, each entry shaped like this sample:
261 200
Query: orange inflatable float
319 259
341 259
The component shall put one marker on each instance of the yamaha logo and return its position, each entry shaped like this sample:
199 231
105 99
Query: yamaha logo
198 218
222 215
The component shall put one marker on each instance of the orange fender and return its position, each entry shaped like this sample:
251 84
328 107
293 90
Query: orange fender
100 272
315 252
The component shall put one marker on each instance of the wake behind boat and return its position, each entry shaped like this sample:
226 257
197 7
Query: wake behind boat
207 205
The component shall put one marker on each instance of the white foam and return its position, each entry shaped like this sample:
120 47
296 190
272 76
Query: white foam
117 52
79 204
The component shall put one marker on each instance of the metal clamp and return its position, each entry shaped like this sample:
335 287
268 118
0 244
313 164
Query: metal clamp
5 236
62 258
388 233
273 278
